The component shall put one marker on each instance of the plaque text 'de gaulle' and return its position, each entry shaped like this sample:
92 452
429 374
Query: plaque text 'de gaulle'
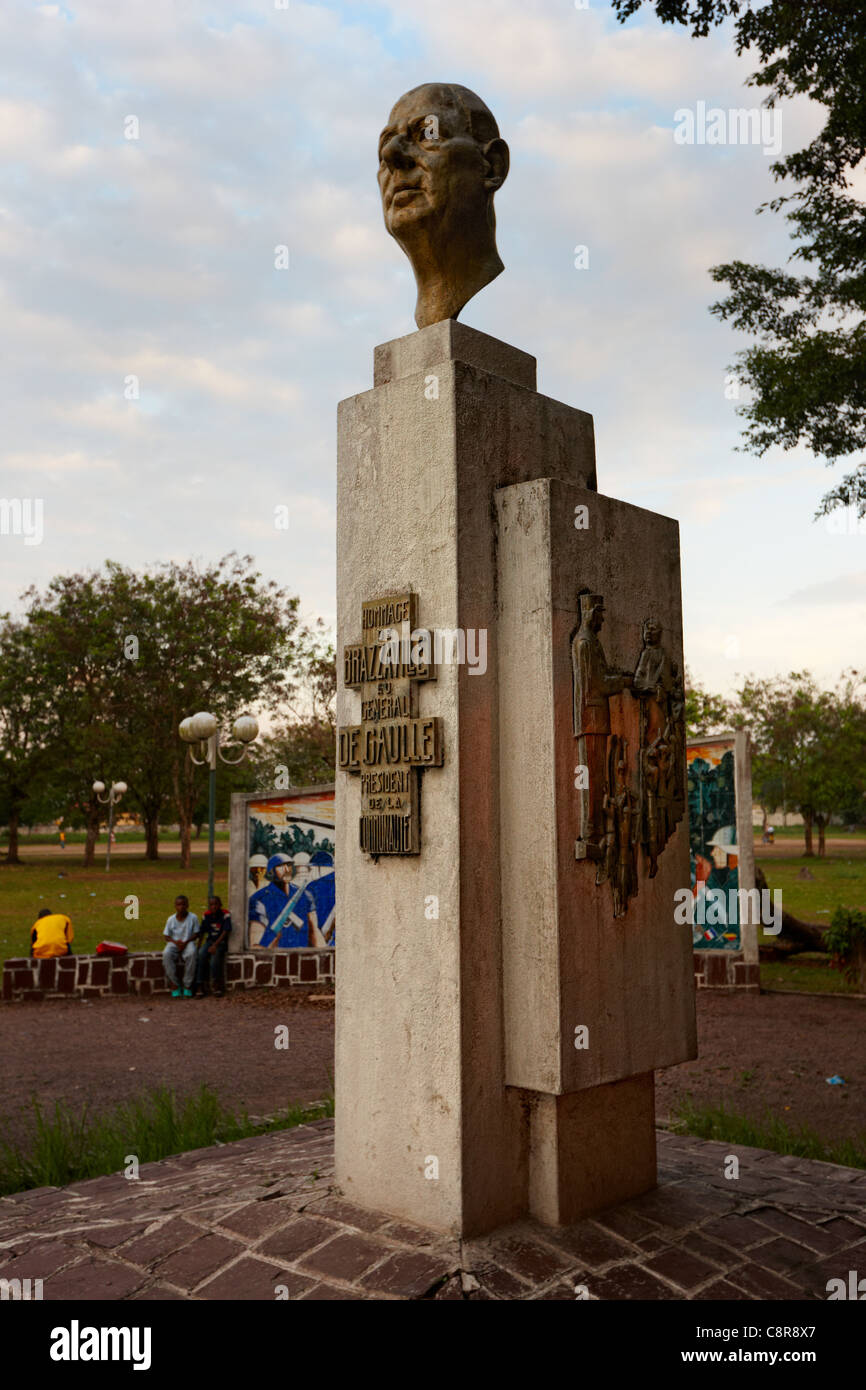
392 743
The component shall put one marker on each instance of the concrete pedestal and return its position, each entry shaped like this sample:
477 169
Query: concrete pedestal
464 969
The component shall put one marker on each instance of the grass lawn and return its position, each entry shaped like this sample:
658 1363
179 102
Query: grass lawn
809 972
94 899
839 881
717 1122
124 836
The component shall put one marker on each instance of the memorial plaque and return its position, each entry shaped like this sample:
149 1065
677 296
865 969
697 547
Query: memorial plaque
392 744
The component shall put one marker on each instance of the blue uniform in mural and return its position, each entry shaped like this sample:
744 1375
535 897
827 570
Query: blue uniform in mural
324 894
286 914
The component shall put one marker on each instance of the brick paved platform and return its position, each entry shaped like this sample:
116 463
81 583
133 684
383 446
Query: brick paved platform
261 1219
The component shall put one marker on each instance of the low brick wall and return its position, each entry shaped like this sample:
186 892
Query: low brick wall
93 977
725 970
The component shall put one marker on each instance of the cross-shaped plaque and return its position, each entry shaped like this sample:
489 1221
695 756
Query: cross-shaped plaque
392 743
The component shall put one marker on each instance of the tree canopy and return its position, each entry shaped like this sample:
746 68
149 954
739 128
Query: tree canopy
806 369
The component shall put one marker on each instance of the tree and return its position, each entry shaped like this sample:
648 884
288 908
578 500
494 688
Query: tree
304 741
28 742
809 743
705 713
131 654
807 367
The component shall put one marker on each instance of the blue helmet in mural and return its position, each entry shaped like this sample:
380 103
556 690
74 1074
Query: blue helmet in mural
322 859
277 859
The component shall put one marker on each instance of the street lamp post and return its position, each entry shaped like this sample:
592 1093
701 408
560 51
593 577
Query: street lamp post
115 792
203 728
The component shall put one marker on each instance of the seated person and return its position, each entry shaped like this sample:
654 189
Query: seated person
182 930
51 935
216 926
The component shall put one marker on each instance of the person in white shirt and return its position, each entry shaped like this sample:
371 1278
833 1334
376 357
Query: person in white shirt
182 929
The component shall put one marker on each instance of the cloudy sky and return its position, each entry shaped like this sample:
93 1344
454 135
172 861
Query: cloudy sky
152 259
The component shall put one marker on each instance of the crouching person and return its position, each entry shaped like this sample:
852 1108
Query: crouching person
216 927
182 930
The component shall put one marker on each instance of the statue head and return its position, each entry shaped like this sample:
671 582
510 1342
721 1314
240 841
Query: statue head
591 611
651 631
441 161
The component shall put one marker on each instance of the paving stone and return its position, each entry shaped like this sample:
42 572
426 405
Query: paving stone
408 1274
674 1209
560 1293
451 1291
629 1282
170 1236
783 1256
681 1268
41 1261
192 1264
843 1226
836 1266
590 1244
297 1237
740 1231
248 1279
109 1237
762 1283
498 1281
346 1256
256 1219
697 1244
101 1280
349 1215
331 1292
819 1239
626 1223
528 1258
410 1235
723 1291
158 1293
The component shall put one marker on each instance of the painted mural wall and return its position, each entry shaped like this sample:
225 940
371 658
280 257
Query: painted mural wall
714 854
290 871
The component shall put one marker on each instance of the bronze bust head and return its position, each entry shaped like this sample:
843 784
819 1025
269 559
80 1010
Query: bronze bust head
441 161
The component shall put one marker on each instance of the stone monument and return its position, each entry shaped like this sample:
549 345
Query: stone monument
510 825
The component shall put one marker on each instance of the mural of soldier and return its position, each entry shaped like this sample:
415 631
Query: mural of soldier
285 907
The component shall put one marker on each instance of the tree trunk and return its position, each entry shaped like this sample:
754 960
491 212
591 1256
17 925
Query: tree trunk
185 851
807 831
91 838
821 822
795 935
12 855
151 837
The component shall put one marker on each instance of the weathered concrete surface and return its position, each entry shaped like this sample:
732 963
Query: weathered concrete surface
628 980
261 1220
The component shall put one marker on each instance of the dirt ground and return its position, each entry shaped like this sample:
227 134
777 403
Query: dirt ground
774 1052
106 1052
757 1052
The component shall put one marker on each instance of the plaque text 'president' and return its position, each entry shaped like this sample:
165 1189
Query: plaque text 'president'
392 743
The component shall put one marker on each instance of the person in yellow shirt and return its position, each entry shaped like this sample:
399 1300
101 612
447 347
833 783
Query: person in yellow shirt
51 935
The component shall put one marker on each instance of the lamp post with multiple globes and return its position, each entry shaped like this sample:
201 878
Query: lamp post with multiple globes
203 729
115 792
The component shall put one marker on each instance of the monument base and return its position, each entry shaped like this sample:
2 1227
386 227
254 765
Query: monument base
591 1149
